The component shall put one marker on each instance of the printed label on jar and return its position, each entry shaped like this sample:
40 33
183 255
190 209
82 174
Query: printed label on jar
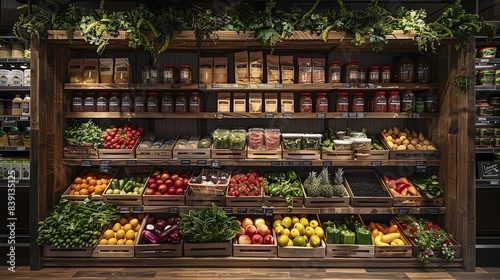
139 104
167 103
101 103
87 103
113 104
193 104
305 103
76 104
323 103
360 102
272 102
394 102
381 102
344 102
152 104
125 104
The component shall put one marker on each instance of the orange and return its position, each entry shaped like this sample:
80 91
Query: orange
129 242
98 190
127 227
76 187
92 182
76 193
84 181
89 178
91 189
78 180
72 192
120 242
123 221
108 234
130 235
84 192
137 228
134 222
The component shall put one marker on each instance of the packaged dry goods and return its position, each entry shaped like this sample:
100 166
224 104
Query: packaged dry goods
318 70
255 102
221 138
75 70
122 71
256 67
186 74
272 139
287 103
106 68
205 71
271 102
287 69
241 69
168 73
351 71
224 102
305 102
305 70
90 70
322 102
220 70
334 72
255 138
239 102
194 103
273 69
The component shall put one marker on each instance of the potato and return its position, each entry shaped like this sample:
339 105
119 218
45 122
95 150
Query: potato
402 138
406 142
401 148
414 134
430 147
410 147
388 138
414 142
397 141
418 147
395 146
402 134
426 142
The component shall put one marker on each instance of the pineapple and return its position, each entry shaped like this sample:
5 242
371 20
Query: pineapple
325 186
338 183
311 185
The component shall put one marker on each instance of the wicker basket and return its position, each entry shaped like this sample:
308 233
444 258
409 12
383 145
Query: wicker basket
215 187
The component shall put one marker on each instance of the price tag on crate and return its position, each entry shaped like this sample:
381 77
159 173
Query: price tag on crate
86 163
258 211
228 211
321 115
286 163
173 210
215 164
185 162
202 86
327 163
403 211
124 209
201 162
269 212
307 163
434 211
287 115
421 167
9 121
138 209
275 163
242 210
131 163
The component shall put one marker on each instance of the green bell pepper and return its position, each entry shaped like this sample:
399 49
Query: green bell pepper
347 237
286 190
274 190
332 235
122 184
325 225
363 236
115 185
282 176
291 175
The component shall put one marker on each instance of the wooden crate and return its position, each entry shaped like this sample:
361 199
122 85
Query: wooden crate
191 153
244 201
119 153
143 250
320 202
256 250
435 202
127 199
411 154
264 154
437 251
216 249
395 251
337 155
405 201
204 200
83 152
371 155
302 252
302 154
229 154
86 170
114 251
279 201
350 251
163 200
53 252
358 201
153 153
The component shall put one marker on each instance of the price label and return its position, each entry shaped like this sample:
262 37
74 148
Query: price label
269 212
352 115
202 86
20 148
220 115
416 115
131 163
242 210
85 163
176 86
105 162
215 164
24 119
346 85
201 163
279 85
362 85
258 211
321 115
269 115
286 163
216 86
344 115
403 211
360 115
9 121
307 163
327 163
433 211
173 210
421 167
482 119
275 163
484 60
124 209
287 115
376 163
104 169
296 163
185 162
228 211
138 209
494 182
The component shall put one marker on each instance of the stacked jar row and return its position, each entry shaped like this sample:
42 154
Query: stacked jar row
137 102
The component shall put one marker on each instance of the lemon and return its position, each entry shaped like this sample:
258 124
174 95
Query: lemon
310 231
300 228
286 232
299 241
127 227
294 233
120 234
279 230
134 222
120 242
137 228
117 227
103 241
276 223
286 222
313 223
290 242
278 217
130 235
112 241
109 234
308 245
304 222
319 232
283 240
315 241
129 242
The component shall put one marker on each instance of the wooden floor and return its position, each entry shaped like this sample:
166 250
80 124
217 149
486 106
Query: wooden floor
98 273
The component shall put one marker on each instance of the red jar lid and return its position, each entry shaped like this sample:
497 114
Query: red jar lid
358 94
380 93
394 92
152 93
305 94
115 93
335 62
321 93
168 65
184 66
386 67
375 67
361 68
342 93
353 61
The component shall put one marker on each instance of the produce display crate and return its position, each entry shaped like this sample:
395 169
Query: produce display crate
228 153
163 200
119 153
302 154
302 252
85 171
156 250
216 249
371 155
115 251
211 188
279 201
393 251
159 153
83 152
244 201
191 153
256 250
53 252
204 200
127 199
406 201
264 154
320 202
435 202
337 155
411 154
369 201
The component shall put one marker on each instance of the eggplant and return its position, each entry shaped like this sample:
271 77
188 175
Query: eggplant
149 237
151 219
171 221
177 219
156 232
150 227
166 233
160 224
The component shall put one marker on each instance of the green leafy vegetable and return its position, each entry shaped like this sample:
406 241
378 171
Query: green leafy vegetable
84 133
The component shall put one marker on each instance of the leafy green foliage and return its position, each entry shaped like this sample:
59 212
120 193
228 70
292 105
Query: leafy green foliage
80 133
463 82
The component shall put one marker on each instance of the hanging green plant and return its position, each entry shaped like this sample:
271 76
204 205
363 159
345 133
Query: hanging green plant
463 82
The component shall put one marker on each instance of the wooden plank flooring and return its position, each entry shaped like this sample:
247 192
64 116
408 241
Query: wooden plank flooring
135 273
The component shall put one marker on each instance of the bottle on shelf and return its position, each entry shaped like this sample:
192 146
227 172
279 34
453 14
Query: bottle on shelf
15 137
139 101
26 105
342 102
194 103
379 102
423 70
334 72
394 102
322 102
4 139
358 102
17 104
419 103
180 103
305 102
385 74
408 101
26 135
153 103
186 75
168 73
77 104
431 102
406 70
166 103
89 103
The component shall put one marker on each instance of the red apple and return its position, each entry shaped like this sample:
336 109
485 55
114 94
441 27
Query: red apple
179 191
185 182
262 229
169 182
250 230
157 193
244 239
246 222
153 186
257 239
165 176
171 190
178 183
159 181
158 176
150 191
184 174
162 188
269 232
174 177
268 239
268 223
241 232
151 181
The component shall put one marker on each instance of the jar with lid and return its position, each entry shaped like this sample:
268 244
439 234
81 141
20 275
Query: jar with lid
127 102
362 74
379 102
168 73
305 102
423 70
2 106
394 102
166 103
358 102
374 74
17 51
180 103
102 102
139 103
352 72
194 103
385 74
419 104
17 103
146 74
322 102
26 135
431 102
5 51
153 102
408 101
185 74
90 102
15 137
77 102
342 102
26 105
334 72
114 102
406 70
153 74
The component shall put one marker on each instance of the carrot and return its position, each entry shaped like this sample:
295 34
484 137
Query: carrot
381 228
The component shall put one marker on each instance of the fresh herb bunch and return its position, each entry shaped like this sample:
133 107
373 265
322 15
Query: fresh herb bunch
414 21
76 224
463 82
430 237
208 225
81 133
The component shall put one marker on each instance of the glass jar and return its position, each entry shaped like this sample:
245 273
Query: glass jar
386 74
334 72
419 104
153 72
114 102
102 102
139 101
153 102
89 103
374 74
15 137
362 74
342 102
146 74
369 101
168 73
77 102
180 103
185 74
166 103
379 102
358 102
394 102
431 102
305 102
352 72
406 70
423 70
194 103
127 102
408 101
322 102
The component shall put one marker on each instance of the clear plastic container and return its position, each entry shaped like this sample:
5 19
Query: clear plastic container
358 102
186 75
311 141
89 103
374 74
153 102
140 103
292 141
255 138
357 135
102 102
394 102
385 74
431 100
237 139
342 145
221 138
406 70
194 103
361 144
181 103
352 72
77 102
408 101
166 103
334 72
168 73
272 139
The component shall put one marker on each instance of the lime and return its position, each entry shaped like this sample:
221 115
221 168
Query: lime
299 241
283 240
